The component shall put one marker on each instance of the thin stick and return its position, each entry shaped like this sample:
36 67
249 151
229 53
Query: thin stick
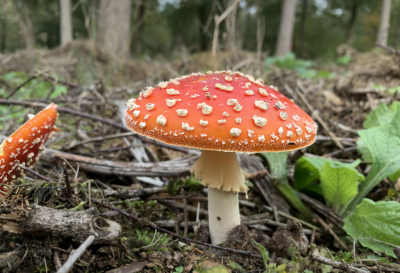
320 120
93 117
25 82
177 236
66 179
342 266
185 213
77 254
328 228
35 173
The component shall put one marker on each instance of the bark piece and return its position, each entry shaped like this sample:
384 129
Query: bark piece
64 223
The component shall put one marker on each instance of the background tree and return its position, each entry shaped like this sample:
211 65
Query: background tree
285 35
23 12
114 26
139 26
384 23
65 21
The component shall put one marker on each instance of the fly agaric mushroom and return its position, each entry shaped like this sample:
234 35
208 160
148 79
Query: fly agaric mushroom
23 146
221 113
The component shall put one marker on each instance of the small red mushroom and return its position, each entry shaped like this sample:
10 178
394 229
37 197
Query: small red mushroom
221 112
23 146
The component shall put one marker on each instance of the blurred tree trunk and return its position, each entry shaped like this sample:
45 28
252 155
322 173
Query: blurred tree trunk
202 16
384 23
260 29
246 24
3 37
92 14
302 33
398 33
139 25
114 22
231 27
350 32
65 21
285 35
25 23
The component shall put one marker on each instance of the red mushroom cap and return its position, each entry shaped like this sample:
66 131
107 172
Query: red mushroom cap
223 111
23 146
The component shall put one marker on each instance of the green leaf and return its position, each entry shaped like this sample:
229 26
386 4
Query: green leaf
395 176
278 165
375 220
362 148
305 172
384 143
264 253
279 173
339 185
308 170
393 90
382 114
58 91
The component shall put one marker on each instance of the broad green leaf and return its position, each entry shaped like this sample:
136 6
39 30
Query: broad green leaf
339 185
20 76
308 170
278 165
375 220
384 143
395 176
305 172
279 173
382 114
363 150
58 91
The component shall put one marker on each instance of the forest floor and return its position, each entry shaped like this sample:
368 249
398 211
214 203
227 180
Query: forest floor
147 188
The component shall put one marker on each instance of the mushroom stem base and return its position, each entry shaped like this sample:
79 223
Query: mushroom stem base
223 214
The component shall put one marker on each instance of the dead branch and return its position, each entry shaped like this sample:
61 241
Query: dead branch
77 225
171 168
218 20
342 266
93 117
75 255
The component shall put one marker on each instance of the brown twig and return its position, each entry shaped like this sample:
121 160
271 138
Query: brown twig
66 179
185 213
166 168
258 174
264 193
327 212
342 266
93 117
25 82
317 116
174 235
35 173
328 228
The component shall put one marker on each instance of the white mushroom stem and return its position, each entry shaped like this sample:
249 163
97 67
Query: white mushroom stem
223 214
220 171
